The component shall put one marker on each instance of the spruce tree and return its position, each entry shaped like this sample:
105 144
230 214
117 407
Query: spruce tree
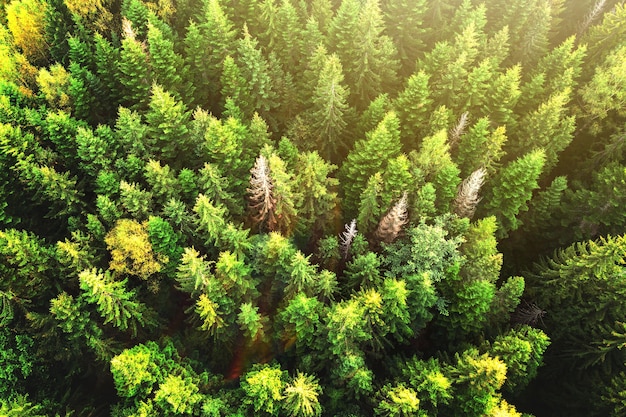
368 157
512 189
329 103
135 74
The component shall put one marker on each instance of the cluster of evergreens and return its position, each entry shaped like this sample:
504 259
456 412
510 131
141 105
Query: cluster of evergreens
312 207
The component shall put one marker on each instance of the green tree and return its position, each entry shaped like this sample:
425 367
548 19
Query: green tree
257 93
582 280
368 56
549 128
413 106
115 304
329 103
476 379
263 387
405 23
370 206
301 396
167 133
168 69
397 401
134 71
512 189
316 211
522 351
481 147
368 157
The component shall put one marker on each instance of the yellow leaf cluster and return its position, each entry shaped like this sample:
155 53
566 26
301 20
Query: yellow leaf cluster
131 250
54 85
26 22
95 13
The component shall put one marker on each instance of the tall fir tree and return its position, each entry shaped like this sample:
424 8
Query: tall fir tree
368 157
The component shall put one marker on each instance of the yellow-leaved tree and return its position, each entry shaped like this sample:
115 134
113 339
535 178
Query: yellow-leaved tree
26 22
131 250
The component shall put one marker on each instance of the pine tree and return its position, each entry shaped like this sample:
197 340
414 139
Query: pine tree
512 189
210 219
26 21
467 196
481 147
579 286
370 207
593 209
397 179
522 351
136 201
328 108
413 107
194 272
368 157
115 304
168 69
135 75
302 396
433 155
96 150
287 197
397 400
258 91
504 95
72 318
604 95
106 59
137 13
549 127
373 66
405 23
167 133
316 211
206 46
263 387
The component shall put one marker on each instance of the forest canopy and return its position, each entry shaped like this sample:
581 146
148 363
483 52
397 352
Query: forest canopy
312 208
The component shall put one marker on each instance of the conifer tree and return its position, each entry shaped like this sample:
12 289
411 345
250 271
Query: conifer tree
25 19
373 68
206 46
549 128
262 201
467 196
397 179
512 189
115 304
583 280
368 157
210 219
258 91
328 108
481 147
316 211
302 396
167 133
168 69
413 107
370 207
135 75
404 21
604 94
